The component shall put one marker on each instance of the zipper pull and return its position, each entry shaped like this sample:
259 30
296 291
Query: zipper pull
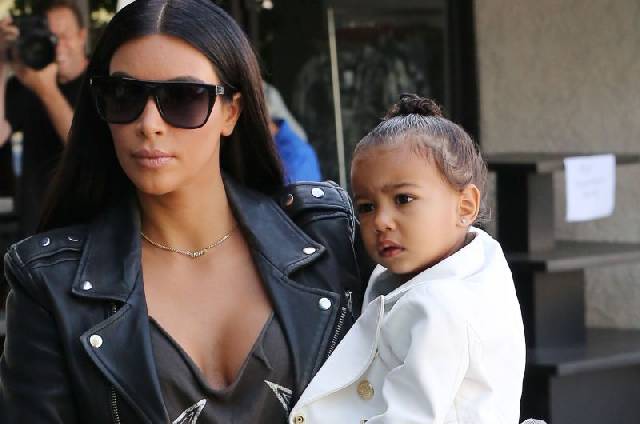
349 295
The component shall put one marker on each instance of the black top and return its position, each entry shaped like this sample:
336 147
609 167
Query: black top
261 392
41 145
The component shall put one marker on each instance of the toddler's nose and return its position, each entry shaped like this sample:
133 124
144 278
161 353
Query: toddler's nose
384 221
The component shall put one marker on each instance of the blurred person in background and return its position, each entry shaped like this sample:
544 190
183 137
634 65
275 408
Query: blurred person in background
40 102
298 157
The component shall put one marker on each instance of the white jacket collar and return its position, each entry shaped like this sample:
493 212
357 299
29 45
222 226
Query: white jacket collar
462 264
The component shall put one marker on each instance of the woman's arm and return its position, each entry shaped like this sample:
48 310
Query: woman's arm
434 342
34 385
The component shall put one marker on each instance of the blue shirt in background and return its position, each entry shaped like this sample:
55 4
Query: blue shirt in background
298 157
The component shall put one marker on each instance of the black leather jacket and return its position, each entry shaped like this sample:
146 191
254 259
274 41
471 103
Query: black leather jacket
78 348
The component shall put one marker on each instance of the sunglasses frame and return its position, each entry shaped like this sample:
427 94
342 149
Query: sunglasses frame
151 90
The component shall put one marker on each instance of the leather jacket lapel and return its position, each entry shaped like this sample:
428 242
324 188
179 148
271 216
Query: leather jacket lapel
121 348
308 338
281 248
270 231
110 261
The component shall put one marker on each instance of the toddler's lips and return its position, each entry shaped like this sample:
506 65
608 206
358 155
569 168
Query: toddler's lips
389 249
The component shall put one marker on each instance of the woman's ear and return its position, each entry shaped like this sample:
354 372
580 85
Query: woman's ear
232 110
468 205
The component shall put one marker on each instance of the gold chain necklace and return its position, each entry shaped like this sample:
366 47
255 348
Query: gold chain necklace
193 254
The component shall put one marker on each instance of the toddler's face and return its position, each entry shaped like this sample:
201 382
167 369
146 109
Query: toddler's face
409 215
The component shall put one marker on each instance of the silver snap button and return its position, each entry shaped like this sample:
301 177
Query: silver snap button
87 285
71 238
309 250
317 192
95 341
289 200
46 242
324 303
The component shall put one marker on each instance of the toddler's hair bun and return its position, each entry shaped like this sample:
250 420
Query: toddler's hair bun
414 104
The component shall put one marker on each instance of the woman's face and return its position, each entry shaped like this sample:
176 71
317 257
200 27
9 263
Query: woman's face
157 157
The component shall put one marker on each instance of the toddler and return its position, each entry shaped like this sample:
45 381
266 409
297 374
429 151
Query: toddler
440 339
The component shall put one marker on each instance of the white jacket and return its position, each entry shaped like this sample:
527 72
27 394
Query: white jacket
445 347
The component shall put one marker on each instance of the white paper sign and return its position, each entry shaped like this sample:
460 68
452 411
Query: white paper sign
591 186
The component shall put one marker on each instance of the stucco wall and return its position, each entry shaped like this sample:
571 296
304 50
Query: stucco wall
564 75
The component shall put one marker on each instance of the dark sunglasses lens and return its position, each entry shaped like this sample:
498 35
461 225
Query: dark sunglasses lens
184 105
119 101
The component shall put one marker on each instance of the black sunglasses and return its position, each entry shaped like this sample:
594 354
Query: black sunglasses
182 104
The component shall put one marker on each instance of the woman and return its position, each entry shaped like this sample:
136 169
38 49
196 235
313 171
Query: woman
169 286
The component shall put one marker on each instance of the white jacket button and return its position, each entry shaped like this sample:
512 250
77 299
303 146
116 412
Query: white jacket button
317 192
365 390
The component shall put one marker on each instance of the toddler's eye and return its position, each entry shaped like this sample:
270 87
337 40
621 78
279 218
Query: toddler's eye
402 199
362 208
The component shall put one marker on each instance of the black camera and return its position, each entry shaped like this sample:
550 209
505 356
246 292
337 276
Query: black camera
36 44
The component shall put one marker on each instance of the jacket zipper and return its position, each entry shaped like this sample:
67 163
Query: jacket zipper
115 414
336 334
343 315
114 407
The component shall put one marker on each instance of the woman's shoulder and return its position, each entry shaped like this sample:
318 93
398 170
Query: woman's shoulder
48 243
42 251
323 210
318 197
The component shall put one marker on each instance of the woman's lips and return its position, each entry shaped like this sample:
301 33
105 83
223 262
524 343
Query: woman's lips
152 158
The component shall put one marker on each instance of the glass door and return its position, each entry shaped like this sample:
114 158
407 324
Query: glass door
340 64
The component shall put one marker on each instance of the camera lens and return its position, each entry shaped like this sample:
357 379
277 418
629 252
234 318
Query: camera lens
36 46
37 51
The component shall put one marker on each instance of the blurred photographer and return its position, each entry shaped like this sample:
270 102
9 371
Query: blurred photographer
48 61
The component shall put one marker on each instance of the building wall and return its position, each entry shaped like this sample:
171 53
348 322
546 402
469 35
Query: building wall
564 75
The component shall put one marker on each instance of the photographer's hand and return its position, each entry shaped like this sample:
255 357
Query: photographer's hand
41 82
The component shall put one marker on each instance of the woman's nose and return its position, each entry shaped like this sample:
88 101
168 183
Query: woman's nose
150 122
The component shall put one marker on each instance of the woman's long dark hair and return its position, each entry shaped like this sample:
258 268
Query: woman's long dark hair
90 178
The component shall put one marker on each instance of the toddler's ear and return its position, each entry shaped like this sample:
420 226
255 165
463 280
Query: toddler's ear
468 205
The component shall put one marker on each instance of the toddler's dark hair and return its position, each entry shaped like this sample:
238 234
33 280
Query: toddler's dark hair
418 122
